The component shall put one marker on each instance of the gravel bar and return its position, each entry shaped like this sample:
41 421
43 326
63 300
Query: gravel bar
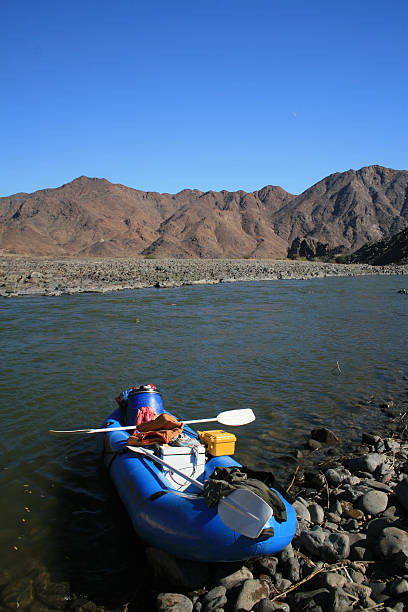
38 276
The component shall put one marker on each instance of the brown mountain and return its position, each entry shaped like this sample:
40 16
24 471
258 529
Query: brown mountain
347 209
93 217
224 224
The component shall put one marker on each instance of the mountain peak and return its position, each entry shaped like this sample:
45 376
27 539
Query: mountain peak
92 216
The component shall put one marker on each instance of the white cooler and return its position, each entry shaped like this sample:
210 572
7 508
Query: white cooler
190 460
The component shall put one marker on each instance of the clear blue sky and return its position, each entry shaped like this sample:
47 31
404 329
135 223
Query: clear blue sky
208 94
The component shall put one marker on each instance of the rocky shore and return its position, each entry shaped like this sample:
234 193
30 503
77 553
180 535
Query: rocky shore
350 551
21 276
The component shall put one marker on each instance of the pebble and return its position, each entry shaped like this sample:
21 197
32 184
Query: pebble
365 463
313 444
291 568
362 591
214 599
334 477
352 493
401 491
251 592
369 438
325 436
378 591
399 607
393 546
337 547
330 547
356 576
265 564
315 480
355 514
399 587
340 601
301 511
266 605
173 602
312 541
332 517
333 579
309 600
316 513
373 502
239 576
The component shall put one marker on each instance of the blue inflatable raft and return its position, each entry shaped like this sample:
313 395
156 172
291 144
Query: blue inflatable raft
171 514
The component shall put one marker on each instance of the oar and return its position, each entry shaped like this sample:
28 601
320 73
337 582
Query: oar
229 417
242 510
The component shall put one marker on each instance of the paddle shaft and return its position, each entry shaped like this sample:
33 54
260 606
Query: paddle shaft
135 426
231 504
143 451
199 421
104 429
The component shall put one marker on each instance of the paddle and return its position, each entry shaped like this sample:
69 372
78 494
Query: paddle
242 510
233 418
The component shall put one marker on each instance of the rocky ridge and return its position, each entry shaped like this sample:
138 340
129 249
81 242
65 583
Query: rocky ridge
91 217
390 250
21 276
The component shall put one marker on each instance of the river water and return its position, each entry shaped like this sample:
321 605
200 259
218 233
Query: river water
299 353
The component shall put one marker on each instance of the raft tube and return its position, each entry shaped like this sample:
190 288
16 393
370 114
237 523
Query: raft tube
180 523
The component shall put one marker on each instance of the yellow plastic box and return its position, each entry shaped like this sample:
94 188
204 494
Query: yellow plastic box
218 442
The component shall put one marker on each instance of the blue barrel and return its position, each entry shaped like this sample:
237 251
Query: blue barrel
143 396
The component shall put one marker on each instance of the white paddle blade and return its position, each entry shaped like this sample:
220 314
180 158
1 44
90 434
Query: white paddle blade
245 512
236 417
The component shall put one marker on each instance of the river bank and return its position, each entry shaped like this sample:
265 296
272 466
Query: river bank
350 551
23 276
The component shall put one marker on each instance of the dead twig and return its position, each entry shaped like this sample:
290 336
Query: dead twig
379 605
327 491
295 586
325 567
304 557
293 479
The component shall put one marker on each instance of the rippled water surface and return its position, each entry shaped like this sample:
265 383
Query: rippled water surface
299 353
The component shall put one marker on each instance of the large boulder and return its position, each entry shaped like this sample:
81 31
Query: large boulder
393 546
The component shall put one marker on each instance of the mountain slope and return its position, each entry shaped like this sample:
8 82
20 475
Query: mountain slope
390 250
348 209
93 217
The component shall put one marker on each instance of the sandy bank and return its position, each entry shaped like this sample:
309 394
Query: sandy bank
23 276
